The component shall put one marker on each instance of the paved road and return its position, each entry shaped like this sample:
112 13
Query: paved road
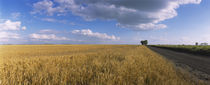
195 62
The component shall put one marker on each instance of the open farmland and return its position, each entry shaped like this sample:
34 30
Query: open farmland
198 50
86 65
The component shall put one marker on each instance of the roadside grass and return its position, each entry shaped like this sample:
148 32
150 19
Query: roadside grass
86 65
198 50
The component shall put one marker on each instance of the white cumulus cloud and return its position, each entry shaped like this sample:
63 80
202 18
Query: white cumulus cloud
23 28
6 36
11 25
89 33
46 6
133 14
46 37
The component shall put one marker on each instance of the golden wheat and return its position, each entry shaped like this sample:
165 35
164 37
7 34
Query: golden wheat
85 65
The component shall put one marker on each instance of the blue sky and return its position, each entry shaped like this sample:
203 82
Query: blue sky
104 22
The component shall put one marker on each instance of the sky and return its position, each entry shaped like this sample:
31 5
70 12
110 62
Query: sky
104 21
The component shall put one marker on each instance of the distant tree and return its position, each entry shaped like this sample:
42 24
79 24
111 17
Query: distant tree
144 42
196 43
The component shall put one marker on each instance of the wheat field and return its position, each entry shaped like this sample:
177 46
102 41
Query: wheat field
86 65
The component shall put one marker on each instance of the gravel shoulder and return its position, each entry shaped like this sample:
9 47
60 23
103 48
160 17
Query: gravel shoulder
197 65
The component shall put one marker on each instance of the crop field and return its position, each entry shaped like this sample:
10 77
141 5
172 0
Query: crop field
86 65
199 50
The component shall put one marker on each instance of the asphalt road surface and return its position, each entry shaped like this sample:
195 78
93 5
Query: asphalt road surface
199 65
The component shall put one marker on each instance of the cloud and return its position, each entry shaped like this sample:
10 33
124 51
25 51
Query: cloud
23 28
54 20
59 21
6 36
46 37
15 15
48 31
133 14
148 26
8 30
89 33
46 6
49 19
10 25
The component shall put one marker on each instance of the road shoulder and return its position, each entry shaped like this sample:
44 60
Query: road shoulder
197 67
